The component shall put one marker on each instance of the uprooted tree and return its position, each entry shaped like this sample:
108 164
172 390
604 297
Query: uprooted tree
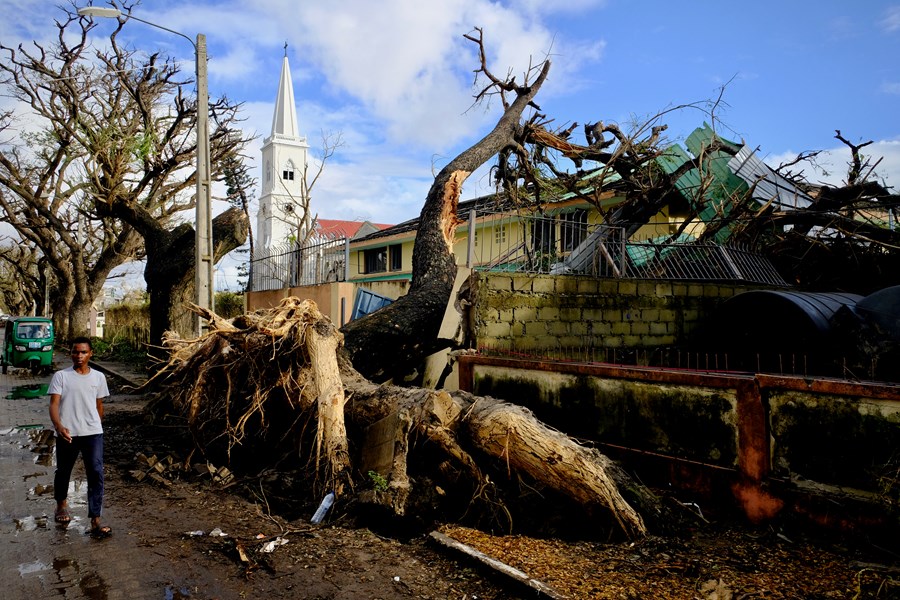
267 384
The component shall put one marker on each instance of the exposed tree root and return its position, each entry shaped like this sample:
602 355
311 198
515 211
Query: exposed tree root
253 384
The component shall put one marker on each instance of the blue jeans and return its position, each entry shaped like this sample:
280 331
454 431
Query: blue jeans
91 449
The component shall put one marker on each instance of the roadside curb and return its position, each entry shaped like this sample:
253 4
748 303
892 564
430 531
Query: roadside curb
133 379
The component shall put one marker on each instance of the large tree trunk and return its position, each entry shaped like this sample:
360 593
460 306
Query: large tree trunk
406 331
169 272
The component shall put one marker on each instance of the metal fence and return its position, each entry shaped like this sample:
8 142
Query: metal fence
321 260
567 244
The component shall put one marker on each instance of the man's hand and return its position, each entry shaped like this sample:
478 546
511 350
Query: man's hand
63 432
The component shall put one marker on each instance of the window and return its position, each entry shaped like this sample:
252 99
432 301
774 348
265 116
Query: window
288 173
500 234
375 260
396 252
543 235
380 260
572 229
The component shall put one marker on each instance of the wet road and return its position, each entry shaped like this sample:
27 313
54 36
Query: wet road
38 557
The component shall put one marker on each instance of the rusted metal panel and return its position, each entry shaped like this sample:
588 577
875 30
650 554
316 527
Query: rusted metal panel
786 430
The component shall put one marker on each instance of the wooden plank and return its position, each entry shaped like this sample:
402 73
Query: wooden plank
542 589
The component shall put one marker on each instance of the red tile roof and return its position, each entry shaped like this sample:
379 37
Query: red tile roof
343 228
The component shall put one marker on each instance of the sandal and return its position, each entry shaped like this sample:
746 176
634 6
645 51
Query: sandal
99 533
62 516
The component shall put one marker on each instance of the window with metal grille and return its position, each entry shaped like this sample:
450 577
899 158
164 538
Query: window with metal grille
572 229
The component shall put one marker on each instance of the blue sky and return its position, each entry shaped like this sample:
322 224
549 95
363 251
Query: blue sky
395 76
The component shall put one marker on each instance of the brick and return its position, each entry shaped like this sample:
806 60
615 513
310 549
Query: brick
499 282
543 285
627 288
506 316
521 283
570 314
632 341
495 330
558 328
649 315
517 329
612 315
612 342
660 328
601 328
646 288
641 328
587 286
580 328
667 315
524 313
548 313
608 287
621 328
566 285
590 314
663 290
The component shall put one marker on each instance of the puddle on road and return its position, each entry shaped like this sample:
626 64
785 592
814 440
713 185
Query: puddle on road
31 390
68 572
30 523
32 567
42 445
91 585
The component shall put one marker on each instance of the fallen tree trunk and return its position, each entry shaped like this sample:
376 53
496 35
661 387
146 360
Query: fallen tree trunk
257 381
407 329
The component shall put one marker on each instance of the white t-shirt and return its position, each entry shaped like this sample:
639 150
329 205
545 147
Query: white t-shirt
78 399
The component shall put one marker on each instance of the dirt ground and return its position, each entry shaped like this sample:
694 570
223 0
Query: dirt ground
716 561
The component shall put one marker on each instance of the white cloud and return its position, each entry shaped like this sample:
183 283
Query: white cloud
892 88
891 19
832 164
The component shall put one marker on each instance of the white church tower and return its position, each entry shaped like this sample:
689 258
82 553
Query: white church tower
284 155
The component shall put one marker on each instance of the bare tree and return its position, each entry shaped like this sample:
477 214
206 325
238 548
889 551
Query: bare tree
110 168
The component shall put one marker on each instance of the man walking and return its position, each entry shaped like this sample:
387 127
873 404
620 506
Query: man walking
76 409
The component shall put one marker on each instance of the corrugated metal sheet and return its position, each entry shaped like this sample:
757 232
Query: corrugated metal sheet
769 184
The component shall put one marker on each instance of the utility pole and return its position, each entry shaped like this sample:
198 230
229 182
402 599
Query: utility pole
204 247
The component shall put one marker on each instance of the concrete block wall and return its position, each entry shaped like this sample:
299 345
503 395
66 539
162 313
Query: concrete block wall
527 312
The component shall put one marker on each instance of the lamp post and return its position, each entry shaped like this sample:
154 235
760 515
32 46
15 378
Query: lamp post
203 253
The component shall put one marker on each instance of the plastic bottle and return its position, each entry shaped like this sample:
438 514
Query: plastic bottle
327 501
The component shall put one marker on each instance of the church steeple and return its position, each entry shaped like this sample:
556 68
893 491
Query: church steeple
283 201
284 121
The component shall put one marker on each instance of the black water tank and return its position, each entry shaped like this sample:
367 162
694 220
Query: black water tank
776 321
882 308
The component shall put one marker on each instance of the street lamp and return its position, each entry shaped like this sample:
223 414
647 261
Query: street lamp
203 253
